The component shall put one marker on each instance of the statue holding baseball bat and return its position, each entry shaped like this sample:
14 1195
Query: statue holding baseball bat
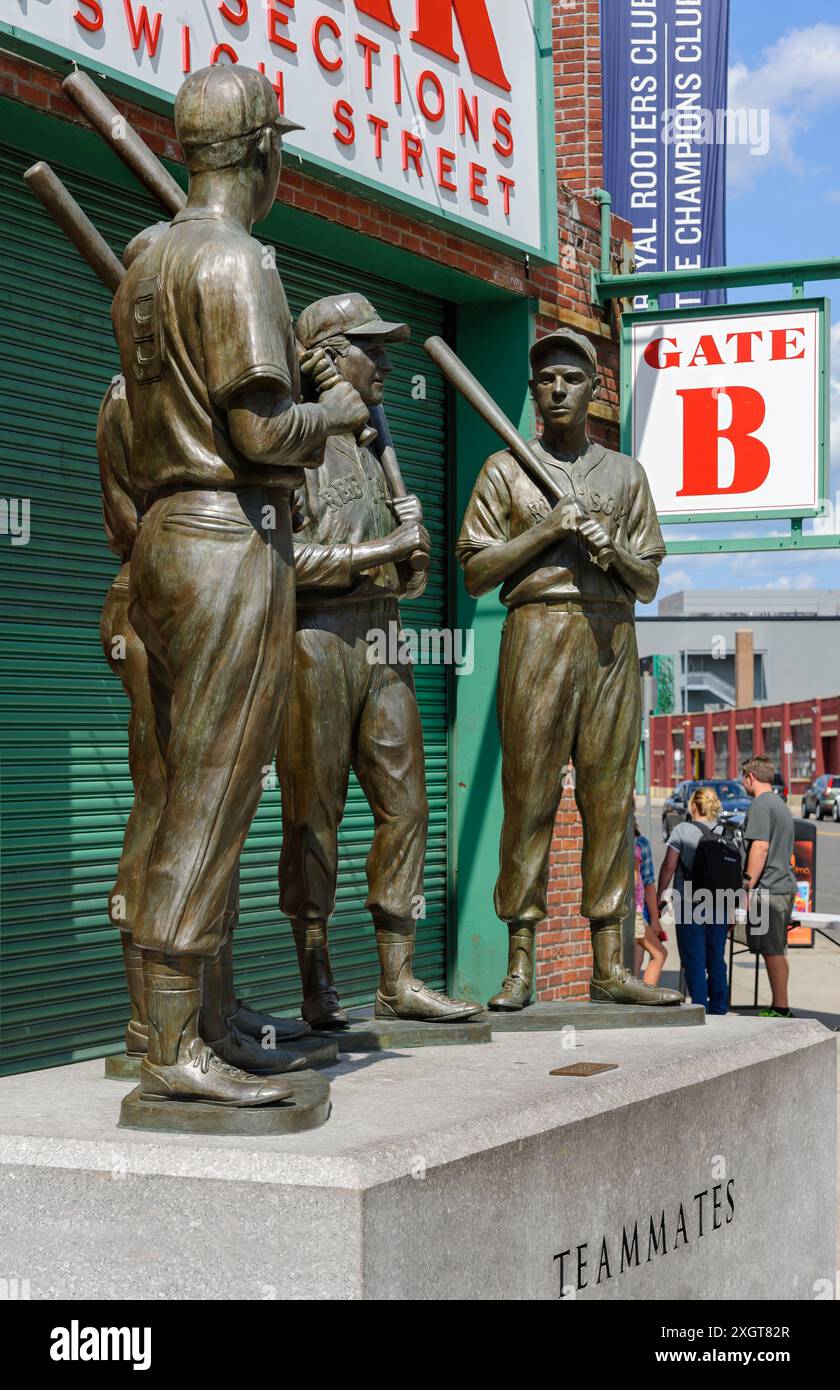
238 1033
569 531
219 442
359 548
123 505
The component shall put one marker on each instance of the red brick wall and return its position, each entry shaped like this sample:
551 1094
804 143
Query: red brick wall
563 295
577 84
670 731
563 951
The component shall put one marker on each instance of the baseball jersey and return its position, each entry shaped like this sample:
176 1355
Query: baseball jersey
341 504
612 488
122 502
200 315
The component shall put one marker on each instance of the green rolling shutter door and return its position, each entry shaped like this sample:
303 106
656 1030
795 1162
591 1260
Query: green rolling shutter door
65 785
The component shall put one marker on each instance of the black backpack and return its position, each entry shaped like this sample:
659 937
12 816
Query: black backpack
717 864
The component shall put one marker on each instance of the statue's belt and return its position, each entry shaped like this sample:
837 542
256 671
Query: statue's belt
173 489
594 606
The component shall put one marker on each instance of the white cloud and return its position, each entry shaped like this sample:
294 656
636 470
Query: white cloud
675 580
785 582
797 77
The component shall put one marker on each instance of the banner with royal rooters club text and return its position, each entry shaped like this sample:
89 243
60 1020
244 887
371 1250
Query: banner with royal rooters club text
666 128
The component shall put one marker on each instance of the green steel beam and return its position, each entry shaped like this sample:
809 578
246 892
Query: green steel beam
606 286
795 541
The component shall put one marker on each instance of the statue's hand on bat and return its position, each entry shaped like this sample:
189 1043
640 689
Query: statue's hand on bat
561 521
599 542
408 508
320 369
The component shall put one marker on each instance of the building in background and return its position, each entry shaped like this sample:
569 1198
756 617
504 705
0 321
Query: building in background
751 603
732 647
799 736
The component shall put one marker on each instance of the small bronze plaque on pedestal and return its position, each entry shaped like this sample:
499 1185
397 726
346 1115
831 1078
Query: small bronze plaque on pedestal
584 1069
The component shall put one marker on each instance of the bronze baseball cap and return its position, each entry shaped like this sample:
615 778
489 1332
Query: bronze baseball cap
226 102
349 316
564 337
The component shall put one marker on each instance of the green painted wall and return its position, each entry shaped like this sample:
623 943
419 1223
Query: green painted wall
493 340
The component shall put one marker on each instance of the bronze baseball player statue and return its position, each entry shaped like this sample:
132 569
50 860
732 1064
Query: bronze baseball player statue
218 443
122 507
569 689
352 556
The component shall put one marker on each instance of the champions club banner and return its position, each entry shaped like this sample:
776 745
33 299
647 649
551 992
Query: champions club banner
664 66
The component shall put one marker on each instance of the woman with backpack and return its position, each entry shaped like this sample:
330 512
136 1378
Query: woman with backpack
703 878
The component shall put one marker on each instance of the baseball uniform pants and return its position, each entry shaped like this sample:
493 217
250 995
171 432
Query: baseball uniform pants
213 599
346 713
569 691
126 657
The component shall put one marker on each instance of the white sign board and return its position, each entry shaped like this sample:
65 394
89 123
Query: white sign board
435 101
728 409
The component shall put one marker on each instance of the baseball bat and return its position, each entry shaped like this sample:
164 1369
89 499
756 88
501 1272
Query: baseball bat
117 131
419 562
76 225
482 402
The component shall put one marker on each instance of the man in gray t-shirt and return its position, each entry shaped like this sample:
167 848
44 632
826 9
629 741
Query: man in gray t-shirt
769 835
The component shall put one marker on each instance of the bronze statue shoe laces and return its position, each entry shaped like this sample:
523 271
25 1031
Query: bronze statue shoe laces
259 1025
418 1003
203 1076
622 987
514 994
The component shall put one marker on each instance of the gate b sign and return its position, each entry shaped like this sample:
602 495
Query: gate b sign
727 409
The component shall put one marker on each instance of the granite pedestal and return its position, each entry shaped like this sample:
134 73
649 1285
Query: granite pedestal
701 1167
582 1015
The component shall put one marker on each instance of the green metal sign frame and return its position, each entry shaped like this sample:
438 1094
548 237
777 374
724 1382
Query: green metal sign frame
607 286
730 311
15 38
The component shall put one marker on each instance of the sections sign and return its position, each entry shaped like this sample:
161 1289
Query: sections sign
434 101
727 409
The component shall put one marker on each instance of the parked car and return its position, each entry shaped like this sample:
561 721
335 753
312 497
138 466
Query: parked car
779 786
823 798
733 800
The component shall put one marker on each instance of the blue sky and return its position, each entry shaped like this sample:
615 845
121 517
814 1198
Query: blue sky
783 206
